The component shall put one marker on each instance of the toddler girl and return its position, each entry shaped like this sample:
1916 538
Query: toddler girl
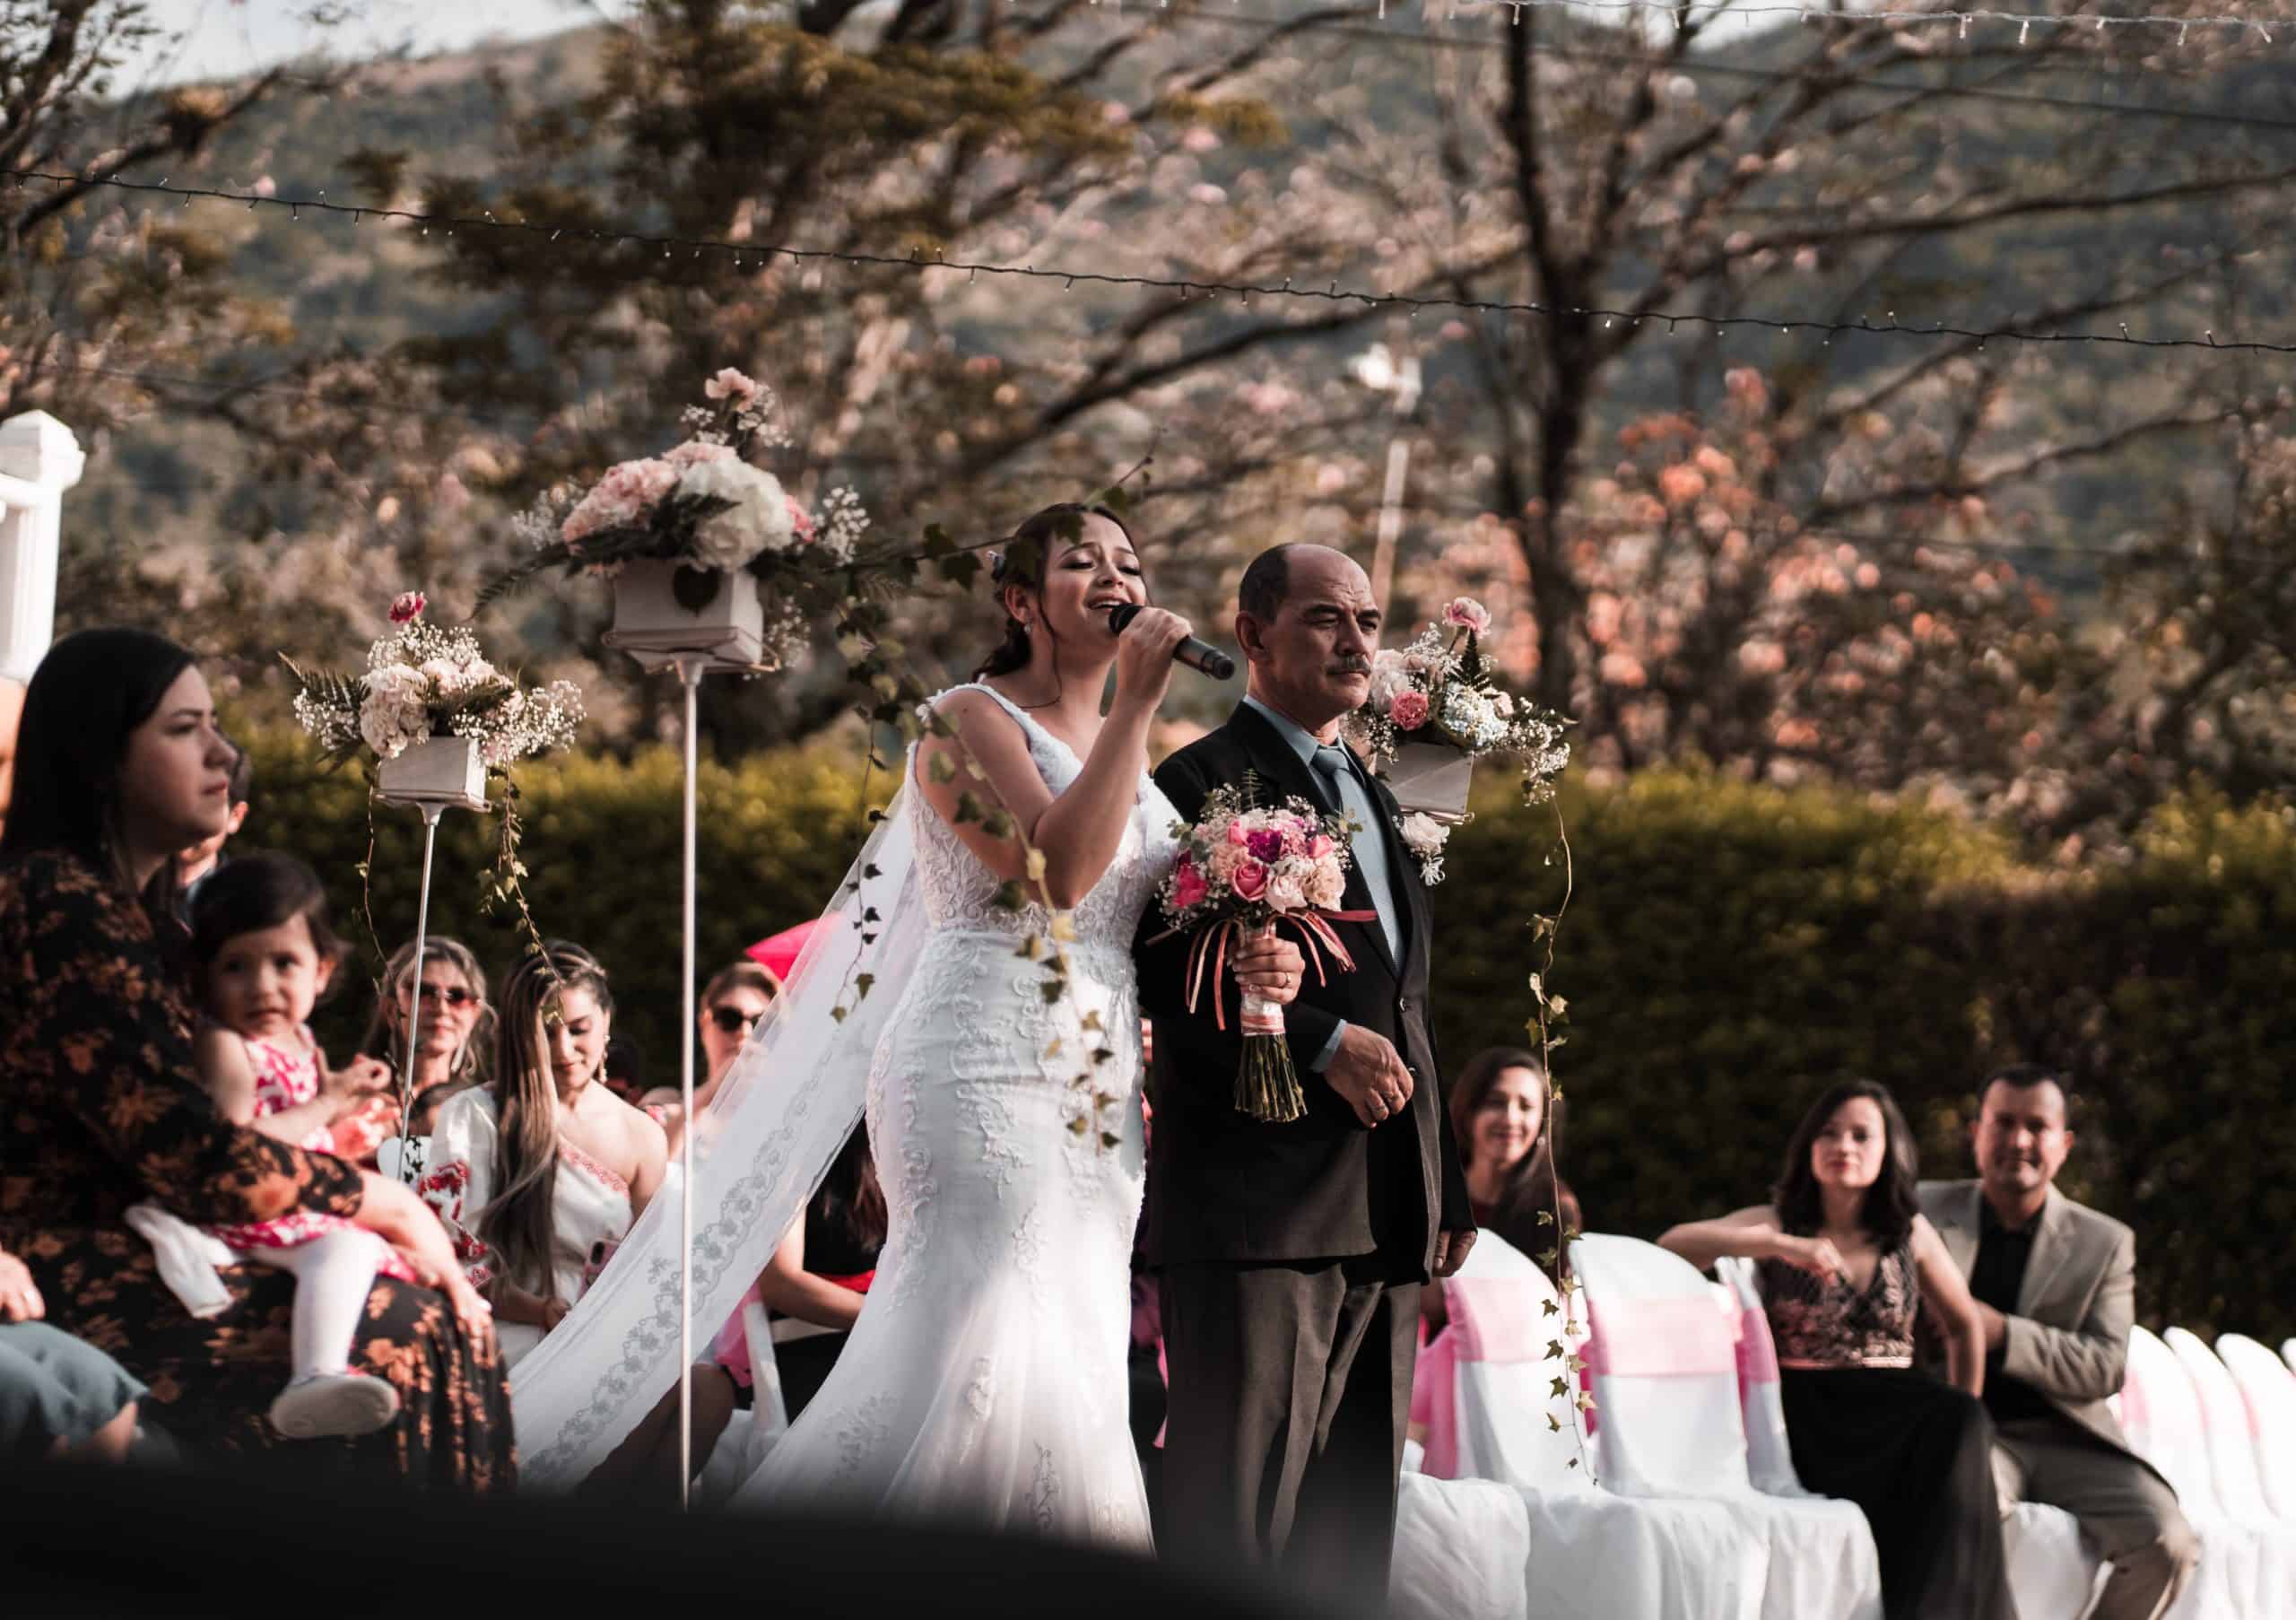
265 956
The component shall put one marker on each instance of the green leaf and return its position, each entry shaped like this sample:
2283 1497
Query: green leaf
1009 896
968 809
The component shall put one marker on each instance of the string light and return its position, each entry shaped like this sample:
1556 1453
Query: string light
829 259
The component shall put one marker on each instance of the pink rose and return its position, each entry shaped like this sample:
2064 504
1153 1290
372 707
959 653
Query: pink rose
730 384
1409 711
1318 846
1188 887
1237 833
407 606
1249 880
1467 613
801 521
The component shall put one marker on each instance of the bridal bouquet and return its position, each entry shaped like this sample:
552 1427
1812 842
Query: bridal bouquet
422 681
1436 705
1243 869
706 507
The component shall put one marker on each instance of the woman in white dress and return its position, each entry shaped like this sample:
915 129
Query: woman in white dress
986 1377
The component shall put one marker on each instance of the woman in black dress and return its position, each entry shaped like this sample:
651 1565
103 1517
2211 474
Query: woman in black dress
814 1287
1845 1259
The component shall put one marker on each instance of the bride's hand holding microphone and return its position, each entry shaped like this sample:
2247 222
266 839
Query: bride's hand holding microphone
1146 644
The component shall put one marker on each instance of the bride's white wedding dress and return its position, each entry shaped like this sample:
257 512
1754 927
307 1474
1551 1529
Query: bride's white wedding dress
986 1379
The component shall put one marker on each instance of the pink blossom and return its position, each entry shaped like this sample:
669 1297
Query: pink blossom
407 606
626 494
1266 845
1409 711
1188 885
694 451
730 384
1467 613
1249 880
801 521
1238 832
1318 846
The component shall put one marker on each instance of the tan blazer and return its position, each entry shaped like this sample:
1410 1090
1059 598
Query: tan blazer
2068 1338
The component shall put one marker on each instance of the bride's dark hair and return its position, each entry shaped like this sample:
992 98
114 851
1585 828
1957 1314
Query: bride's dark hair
1021 561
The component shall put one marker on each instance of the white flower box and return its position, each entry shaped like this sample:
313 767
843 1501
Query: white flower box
1432 777
435 770
654 627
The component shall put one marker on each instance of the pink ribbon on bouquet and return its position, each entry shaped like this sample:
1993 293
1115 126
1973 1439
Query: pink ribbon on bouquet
1315 929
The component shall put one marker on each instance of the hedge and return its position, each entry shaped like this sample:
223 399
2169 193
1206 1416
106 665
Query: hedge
1729 951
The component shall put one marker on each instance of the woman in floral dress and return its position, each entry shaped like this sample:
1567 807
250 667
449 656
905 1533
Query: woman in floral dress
100 1106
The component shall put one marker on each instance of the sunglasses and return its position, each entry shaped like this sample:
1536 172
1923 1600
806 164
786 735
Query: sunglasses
732 1021
452 995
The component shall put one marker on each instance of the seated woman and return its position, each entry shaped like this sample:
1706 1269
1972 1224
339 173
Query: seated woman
539 1175
814 1287
1845 1259
732 1003
58 1397
121 767
1505 1121
457 1033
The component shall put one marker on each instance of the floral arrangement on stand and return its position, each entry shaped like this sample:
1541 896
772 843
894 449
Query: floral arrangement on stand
703 526
1243 869
1435 708
434 718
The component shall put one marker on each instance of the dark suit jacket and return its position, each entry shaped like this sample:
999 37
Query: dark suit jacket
1224 1186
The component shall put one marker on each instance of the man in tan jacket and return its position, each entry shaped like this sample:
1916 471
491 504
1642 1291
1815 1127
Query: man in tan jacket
2056 1285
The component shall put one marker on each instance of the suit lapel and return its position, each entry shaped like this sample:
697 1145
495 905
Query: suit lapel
1958 1225
1272 755
2052 1247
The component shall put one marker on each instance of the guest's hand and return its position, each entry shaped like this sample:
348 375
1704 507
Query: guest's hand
554 1312
1270 967
470 1306
1816 1255
350 1087
20 1300
1451 1252
1369 1074
1996 1325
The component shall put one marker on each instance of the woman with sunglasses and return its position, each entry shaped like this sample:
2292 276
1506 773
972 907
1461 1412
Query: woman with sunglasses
736 997
455 1038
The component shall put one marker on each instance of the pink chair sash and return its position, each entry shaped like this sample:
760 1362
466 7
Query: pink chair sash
1757 1351
1660 1338
1435 1403
1497 1318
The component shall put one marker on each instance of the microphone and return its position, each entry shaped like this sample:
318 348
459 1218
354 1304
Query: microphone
1199 655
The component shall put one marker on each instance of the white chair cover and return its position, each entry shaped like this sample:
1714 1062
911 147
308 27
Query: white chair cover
1664 1356
2231 1442
2288 1352
2239 1578
2268 1390
1487 1397
1769 1454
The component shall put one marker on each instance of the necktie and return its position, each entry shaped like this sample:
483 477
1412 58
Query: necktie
1348 794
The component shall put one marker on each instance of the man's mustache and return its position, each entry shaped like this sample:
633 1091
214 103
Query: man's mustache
1353 664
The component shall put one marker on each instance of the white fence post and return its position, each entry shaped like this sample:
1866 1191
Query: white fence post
40 459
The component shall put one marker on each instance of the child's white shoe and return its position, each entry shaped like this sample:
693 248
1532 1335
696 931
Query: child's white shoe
323 1404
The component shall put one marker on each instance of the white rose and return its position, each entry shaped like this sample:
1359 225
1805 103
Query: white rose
1325 885
1388 678
758 522
1423 835
1287 884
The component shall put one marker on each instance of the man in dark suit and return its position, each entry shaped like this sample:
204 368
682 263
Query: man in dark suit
2056 1283
1289 1257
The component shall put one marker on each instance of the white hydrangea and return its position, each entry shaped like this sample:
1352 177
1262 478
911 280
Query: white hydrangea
395 712
757 522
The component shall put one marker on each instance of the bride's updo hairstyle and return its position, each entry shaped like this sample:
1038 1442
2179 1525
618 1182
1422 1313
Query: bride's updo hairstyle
1021 561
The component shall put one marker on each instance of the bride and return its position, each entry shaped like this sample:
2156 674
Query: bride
985 1379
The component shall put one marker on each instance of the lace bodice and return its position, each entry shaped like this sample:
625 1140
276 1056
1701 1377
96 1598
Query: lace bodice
960 893
1832 1324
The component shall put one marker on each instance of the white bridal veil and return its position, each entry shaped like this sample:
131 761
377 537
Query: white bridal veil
787 1107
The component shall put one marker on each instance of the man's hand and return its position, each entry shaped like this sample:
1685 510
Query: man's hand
20 1300
1996 1325
1369 1074
1451 1252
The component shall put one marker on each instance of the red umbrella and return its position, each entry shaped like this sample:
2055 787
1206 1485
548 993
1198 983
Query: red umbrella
779 953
